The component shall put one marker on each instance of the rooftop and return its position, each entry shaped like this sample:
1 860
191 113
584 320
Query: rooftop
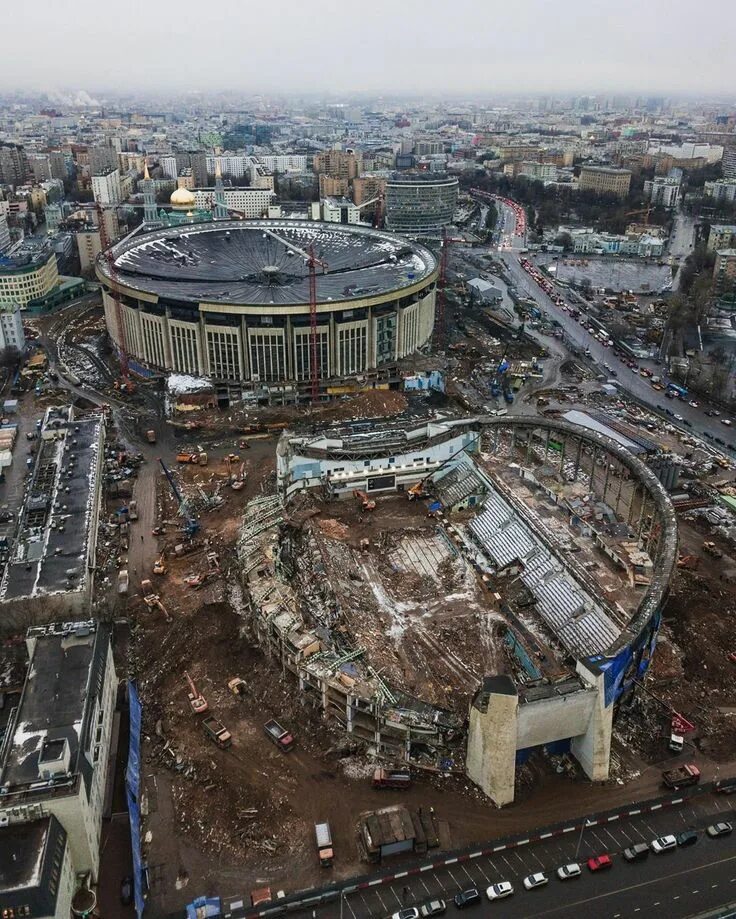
22 847
264 262
52 545
51 724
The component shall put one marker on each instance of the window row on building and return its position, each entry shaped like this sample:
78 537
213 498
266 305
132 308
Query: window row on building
272 349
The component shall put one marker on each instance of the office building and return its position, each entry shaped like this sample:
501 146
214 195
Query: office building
55 757
340 210
30 274
338 164
420 203
663 191
252 202
605 180
722 190
106 187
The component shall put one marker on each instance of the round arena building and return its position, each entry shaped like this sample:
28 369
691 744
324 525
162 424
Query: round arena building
230 300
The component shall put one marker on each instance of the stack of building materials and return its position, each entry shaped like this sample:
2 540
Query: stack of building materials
8 433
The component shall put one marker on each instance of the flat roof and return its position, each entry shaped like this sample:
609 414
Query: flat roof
22 847
264 262
51 549
62 684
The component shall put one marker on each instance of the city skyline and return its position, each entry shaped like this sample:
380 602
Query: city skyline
409 50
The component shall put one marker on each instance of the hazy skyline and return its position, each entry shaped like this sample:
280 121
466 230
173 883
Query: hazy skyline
463 46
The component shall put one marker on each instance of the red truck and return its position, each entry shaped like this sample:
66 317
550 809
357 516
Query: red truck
682 776
278 735
388 778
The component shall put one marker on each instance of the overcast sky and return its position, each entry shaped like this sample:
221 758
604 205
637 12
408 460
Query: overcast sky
473 47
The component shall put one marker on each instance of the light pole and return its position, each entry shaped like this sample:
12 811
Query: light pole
580 837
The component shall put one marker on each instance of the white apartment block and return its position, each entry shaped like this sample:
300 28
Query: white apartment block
11 327
722 190
253 202
106 187
284 162
663 191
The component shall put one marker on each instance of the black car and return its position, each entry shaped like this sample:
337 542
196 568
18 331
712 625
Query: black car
720 440
126 891
467 898
687 838
688 424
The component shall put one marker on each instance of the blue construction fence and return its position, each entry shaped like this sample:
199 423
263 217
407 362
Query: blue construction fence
133 795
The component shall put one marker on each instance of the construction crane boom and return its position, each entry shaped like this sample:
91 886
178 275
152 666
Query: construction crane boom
191 524
441 283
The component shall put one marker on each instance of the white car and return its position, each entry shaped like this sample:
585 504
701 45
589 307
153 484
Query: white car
726 422
694 404
663 844
566 872
500 890
535 880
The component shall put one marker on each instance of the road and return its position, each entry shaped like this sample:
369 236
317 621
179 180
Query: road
628 380
674 884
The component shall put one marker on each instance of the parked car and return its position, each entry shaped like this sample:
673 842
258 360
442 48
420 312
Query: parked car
411 913
500 890
663 844
600 863
637 853
719 829
466 898
687 838
712 413
433 908
726 421
538 879
126 891
566 872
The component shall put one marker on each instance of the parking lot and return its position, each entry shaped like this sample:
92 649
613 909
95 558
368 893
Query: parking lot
679 883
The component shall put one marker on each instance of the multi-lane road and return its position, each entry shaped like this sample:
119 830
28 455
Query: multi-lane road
675 884
627 380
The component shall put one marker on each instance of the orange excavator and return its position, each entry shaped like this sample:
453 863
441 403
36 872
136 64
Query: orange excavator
368 504
197 701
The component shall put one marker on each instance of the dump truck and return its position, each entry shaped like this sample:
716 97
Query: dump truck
151 437
391 778
217 732
682 776
278 735
123 581
185 457
324 844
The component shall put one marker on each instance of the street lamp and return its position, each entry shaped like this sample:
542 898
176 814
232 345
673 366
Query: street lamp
583 827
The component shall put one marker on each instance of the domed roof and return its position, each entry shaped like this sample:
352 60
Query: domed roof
182 199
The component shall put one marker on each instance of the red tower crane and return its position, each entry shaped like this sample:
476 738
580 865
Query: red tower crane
106 245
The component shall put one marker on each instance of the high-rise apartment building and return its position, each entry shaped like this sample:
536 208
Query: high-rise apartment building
605 180
106 187
663 191
102 159
14 169
338 164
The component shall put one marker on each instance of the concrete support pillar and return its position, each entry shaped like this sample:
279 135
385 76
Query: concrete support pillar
546 447
642 513
491 755
632 502
593 466
349 713
605 481
562 455
577 457
593 748
620 487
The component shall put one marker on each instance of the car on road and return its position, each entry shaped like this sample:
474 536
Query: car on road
726 421
637 853
677 417
566 872
432 908
712 413
500 890
693 404
708 435
600 863
466 898
687 838
719 829
663 844
720 440
538 879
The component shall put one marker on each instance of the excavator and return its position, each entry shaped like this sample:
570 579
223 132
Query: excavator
237 483
368 504
197 701
159 566
416 490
